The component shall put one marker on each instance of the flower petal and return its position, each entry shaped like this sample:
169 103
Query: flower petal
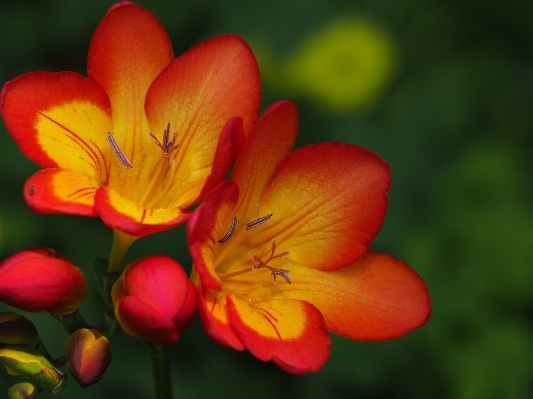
59 120
328 203
291 333
270 142
228 148
197 94
376 298
160 281
129 217
141 319
128 50
40 280
61 191
214 317
206 226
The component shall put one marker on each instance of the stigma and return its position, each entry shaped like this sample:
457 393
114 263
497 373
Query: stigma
167 146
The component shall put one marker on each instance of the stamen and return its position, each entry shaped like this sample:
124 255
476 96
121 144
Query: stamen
282 273
258 222
229 234
168 146
118 152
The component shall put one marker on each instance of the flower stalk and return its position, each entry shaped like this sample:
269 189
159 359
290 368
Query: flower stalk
161 370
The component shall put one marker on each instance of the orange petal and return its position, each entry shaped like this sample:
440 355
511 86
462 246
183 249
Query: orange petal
207 225
59 120
128 50
197 94
291 333
214 317
376 298
328 203
228 148
270 142
61 191
129 217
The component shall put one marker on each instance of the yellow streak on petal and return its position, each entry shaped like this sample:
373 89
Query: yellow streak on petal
140 214
74 136
74 187
273 319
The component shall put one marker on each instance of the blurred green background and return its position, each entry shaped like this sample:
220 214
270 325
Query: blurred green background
442 90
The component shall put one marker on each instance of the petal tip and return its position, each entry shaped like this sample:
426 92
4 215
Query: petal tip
119 4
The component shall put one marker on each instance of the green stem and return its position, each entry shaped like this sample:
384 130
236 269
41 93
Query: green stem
71 322
161 370
121 243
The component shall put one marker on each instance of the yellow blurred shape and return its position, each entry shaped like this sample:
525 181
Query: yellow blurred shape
344 66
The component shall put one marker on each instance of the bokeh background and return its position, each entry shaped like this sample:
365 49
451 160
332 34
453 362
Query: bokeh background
442 90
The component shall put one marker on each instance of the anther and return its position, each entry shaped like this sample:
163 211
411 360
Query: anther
258 222
168 146
229 234
282 273
118 152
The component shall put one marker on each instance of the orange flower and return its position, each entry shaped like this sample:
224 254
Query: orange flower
145 135
281 250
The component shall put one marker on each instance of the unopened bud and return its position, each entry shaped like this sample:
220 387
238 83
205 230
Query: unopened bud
31 362
22 390
154 299
17 330
88 356
41 280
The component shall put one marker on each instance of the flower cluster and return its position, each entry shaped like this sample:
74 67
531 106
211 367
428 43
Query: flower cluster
280 249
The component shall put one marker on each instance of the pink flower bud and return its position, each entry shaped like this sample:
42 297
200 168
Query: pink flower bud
88 356
41 280
154 299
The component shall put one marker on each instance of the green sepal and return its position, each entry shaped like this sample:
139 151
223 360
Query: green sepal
104 280
71 322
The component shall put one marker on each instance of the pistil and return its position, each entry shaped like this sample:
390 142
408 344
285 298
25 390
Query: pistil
148 200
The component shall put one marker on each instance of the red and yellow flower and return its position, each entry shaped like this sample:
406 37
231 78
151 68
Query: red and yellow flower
281 250
145 135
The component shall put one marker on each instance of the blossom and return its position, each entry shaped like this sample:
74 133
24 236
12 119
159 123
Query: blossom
41 280
281 250
154 299
145 135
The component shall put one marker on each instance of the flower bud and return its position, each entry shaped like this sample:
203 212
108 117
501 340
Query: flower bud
31 362
154 299
17 330
41 280
22 390
88 356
